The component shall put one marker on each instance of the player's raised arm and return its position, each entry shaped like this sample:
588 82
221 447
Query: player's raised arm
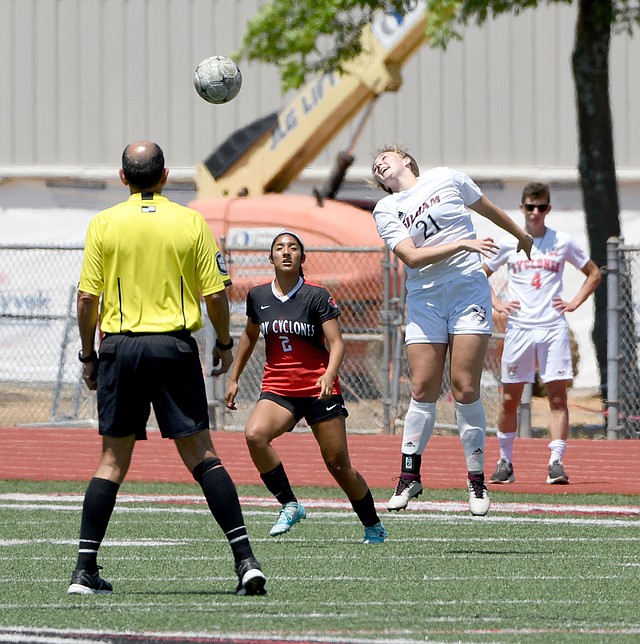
485 207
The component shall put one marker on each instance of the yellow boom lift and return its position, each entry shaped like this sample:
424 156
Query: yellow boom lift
269 153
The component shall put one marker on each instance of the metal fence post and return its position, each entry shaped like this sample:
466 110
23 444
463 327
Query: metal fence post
524 411
68 326
386 316
613 338
399 278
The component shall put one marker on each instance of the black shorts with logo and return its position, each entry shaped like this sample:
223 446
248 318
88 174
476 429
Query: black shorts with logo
313 410
138 370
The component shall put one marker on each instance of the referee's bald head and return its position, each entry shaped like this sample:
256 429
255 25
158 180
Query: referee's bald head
143 164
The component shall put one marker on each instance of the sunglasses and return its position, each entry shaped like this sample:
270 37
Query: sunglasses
542 207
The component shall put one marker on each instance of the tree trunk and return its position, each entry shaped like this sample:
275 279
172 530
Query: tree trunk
596 163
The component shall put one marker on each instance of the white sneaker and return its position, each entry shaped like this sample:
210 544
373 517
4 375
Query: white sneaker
405 490
479 500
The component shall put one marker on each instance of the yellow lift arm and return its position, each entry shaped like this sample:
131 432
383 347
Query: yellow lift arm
268 154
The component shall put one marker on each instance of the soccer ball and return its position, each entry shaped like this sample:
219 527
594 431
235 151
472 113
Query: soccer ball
217 79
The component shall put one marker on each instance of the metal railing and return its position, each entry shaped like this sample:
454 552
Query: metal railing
623 330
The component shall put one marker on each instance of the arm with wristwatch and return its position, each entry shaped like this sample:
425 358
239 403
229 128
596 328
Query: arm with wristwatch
87 323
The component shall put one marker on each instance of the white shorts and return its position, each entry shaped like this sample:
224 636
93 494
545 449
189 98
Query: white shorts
459 307
550 348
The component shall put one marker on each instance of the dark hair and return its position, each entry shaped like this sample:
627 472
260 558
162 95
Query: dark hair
413 164
282 234
143 170
536 190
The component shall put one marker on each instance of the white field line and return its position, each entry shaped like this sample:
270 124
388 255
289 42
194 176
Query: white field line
410 516
361 579
393 636
343 504
327 608
64 636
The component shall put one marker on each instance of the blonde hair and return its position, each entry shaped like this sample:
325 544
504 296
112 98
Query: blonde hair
402 151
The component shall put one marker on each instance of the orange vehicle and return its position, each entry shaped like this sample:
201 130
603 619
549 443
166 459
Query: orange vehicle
246 226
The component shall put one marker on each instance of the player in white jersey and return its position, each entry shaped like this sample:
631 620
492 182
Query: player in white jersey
425 223
537 330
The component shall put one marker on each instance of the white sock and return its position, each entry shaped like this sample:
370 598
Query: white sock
418 426
505 442
557 448
472 425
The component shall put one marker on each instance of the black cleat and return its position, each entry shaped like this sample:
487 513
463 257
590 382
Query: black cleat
251 579
84 582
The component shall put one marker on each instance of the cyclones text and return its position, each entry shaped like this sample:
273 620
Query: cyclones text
535 264
289 327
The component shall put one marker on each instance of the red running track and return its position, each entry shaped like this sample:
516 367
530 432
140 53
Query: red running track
56 454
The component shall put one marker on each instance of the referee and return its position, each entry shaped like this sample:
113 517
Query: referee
151 259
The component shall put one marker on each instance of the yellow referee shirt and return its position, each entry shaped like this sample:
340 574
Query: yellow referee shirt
151 259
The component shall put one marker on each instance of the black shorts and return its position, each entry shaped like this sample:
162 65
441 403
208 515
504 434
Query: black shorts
313 410
160 369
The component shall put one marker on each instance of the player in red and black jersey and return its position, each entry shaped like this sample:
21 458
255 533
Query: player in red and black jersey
298 319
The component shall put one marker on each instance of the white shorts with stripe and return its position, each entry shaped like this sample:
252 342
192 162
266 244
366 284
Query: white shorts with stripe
548 348
458 307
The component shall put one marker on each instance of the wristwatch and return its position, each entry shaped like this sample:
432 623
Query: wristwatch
224 347
92 357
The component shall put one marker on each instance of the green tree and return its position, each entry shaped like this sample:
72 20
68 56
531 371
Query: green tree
314 36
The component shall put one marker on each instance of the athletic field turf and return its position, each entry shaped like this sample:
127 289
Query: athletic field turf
537 568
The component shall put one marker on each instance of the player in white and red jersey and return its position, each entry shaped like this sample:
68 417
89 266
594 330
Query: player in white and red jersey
300 380
537 330
425 223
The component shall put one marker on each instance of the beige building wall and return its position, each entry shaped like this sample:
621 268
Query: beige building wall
80 78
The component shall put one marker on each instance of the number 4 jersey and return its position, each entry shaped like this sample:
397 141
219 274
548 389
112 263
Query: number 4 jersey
535 282
296 355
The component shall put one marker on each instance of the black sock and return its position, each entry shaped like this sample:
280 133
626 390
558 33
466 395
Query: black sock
99 501
411 467
222 499
366 510
277 482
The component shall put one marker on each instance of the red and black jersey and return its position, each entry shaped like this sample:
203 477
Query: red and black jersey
296 355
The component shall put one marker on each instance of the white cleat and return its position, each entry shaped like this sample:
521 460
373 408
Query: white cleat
405 490
479 501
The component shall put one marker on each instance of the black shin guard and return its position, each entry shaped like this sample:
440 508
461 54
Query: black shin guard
201 468
99 501
366 510
277 482
411 464
223 502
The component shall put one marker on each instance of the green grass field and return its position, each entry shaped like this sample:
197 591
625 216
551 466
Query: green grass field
441 576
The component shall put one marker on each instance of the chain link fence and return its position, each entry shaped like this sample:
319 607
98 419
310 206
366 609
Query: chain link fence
40 376
39 370
623 328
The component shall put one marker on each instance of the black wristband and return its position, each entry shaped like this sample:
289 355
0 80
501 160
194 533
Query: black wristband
92 357
224 347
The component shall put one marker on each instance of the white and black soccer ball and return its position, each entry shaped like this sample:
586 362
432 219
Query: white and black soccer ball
217 79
